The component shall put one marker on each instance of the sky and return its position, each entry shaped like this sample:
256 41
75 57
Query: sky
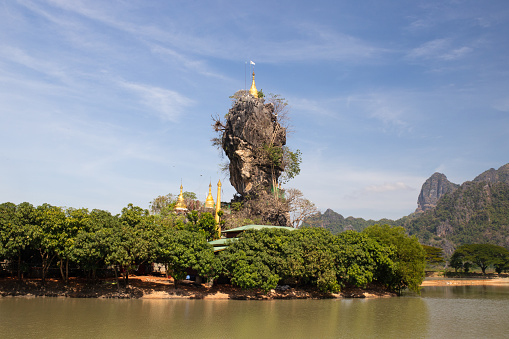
106 103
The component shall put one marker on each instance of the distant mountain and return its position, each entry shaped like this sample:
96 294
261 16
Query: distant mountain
336 223
493 175
432 190
476 212
448 215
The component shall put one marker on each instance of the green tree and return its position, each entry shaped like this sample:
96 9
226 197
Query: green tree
291 161
318 250
76 220
434 255
456 261
361 259
207 223
482 255
181 250
92 243
409 257
162 203
16 223
250 262
47 234
131 242
201 222
260 259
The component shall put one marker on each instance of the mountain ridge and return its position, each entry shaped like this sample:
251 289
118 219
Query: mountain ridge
448 215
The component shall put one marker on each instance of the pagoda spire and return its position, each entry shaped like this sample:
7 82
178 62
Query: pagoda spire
218 205
181 205
209 202
253 91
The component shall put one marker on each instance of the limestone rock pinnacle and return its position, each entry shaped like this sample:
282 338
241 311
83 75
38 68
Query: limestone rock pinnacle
250 126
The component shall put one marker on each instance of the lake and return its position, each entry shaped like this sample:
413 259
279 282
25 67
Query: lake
440 312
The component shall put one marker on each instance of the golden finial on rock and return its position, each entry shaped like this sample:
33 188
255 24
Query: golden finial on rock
253 91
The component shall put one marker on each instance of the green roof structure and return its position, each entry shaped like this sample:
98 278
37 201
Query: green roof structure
221 244
256 227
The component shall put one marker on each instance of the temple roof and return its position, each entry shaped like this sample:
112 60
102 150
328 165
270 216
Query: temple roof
256 227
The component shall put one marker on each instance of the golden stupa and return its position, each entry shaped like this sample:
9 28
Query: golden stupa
253 91
209 202
181 205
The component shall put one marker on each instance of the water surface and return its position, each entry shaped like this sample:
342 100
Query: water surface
441 312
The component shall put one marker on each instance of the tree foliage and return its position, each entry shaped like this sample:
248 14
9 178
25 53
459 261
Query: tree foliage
434 255
181 250
482 255
409 257
90 240
313 256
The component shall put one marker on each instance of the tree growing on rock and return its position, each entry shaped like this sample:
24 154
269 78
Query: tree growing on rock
253 138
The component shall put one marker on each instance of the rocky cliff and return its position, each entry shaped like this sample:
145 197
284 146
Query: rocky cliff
432 190
476 212
493 176
451 215
251 128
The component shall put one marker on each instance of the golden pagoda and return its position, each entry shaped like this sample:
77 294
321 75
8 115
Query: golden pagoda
253 91
209 202
181 205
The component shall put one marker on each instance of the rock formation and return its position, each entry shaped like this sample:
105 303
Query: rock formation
493 176
251 127
432 190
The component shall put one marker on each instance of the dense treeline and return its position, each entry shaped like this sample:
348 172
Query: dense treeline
49 236
313 256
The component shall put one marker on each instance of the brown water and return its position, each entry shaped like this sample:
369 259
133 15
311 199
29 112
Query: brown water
441 312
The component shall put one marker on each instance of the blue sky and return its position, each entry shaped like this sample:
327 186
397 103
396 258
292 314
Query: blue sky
105 103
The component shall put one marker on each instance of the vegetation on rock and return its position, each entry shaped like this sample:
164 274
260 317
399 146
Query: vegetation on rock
476 212
253 138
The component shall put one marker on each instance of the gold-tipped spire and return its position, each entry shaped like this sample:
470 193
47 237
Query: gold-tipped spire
218 205
181 205
253 91
209 202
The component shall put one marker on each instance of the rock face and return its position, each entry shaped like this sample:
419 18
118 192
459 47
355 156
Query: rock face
250 126
432 190
494 176
476 212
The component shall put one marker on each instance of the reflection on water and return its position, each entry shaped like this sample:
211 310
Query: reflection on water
440 312
466 292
